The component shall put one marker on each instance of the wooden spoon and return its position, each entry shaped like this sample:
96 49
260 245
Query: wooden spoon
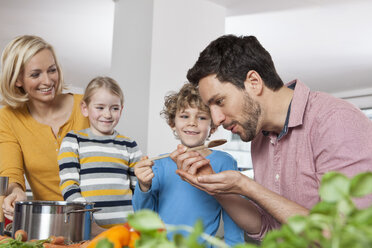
212 143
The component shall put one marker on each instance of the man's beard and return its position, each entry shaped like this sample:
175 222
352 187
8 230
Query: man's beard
250 116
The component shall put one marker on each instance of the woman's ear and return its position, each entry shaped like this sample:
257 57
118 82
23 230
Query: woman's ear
84 109
253 83
19 83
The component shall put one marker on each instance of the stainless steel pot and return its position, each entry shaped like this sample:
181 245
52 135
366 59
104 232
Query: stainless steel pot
3 189
41 219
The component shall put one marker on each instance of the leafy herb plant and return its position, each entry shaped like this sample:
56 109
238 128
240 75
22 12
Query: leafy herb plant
335 222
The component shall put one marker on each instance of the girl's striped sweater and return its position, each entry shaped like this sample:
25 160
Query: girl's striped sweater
99 169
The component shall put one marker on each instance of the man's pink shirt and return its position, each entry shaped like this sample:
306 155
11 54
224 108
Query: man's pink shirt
324 134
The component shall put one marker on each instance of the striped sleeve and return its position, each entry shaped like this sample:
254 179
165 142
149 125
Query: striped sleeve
135 155
69 168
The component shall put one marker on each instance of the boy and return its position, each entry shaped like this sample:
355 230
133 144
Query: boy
161 190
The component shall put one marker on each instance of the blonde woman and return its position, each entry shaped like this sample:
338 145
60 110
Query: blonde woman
35 118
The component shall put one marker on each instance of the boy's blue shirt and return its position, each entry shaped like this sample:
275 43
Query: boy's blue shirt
179 203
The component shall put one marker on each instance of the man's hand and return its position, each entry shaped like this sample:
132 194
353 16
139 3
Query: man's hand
196 169
144 173
204 170
225 182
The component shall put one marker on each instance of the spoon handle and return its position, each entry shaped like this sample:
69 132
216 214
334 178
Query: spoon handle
188 149
159 157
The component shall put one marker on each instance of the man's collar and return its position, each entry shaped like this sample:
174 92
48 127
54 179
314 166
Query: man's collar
296 108
299 102
285 127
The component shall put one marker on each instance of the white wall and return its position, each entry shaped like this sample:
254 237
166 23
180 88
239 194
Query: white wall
362 98
131 58
155 43
328 47
79 30
181 30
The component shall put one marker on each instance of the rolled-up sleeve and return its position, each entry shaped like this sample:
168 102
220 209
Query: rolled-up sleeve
267 223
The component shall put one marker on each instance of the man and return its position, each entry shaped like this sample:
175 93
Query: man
297 136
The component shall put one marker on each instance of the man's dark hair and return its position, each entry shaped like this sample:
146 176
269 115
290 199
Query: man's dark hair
231 57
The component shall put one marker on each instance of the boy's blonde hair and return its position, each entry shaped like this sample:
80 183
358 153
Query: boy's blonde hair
188 96
99 83
13 60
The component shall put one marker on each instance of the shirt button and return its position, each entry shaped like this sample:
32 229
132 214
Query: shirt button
57 150
272 141
277 177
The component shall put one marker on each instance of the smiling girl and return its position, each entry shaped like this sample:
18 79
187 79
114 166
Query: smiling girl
96 164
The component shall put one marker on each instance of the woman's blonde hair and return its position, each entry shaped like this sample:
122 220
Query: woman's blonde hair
99 83
188 96
13 60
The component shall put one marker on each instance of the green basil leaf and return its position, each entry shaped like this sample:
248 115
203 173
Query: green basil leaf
353 237
315 236
272 238
318 223
361 184
104 243
362 217
192 240
334 187
326 208
145 221
154 243
297 223
345 206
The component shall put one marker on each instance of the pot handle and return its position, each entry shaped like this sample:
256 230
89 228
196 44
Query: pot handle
92 210
83 210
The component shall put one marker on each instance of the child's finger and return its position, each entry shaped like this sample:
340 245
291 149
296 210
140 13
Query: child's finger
195 166
180 150
144 157
148 176
144 171
144 163
186 160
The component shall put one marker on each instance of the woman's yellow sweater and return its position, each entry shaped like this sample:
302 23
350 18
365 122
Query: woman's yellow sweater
30 148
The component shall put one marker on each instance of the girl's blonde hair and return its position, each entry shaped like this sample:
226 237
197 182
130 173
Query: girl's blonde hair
188 96
99 83
13 60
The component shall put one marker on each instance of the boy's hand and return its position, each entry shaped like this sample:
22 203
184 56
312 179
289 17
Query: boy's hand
191 162
144 173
